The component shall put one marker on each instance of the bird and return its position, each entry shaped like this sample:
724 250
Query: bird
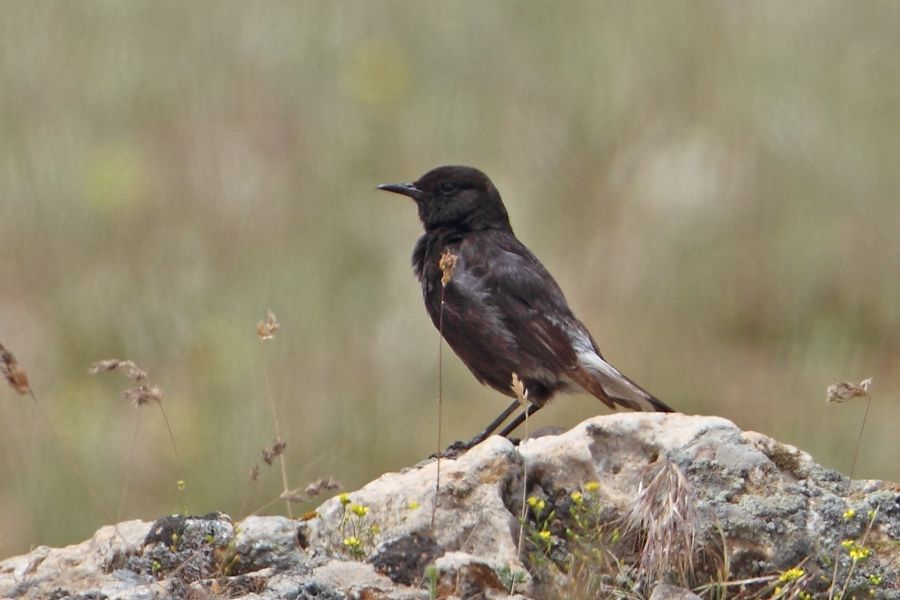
499 309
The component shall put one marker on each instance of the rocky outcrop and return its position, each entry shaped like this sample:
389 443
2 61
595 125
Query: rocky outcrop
648 504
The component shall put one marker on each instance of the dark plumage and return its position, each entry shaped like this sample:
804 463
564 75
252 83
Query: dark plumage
503 312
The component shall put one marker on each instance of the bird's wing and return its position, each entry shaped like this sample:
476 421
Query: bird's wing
526 297
536 314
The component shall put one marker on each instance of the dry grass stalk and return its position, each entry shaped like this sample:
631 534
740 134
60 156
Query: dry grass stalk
13 372
446 264
844 391
664 515
17 378
142 393
518 388
265 330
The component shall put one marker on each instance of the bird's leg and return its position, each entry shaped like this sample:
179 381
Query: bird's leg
457 448
533 408
493 425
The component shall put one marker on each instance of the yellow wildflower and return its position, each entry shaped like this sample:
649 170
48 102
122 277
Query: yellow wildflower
352 543
792 575
536 504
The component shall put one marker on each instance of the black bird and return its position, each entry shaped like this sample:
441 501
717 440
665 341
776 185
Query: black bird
503 313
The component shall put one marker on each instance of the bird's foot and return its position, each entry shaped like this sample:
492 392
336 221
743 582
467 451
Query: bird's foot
459 447
454 450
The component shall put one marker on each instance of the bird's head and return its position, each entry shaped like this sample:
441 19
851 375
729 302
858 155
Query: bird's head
455 197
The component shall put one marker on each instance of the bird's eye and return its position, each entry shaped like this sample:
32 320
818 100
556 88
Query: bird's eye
448 187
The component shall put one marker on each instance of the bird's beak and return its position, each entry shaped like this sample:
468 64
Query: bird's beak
407 189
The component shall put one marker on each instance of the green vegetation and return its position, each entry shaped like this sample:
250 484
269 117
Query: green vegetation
358 532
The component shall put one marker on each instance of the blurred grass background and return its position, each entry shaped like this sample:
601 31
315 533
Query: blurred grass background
714 184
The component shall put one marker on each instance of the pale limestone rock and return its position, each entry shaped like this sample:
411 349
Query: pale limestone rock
770 503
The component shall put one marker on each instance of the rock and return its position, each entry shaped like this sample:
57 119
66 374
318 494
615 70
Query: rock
471 510
462 575
184 548
621 504
405 558
85 568
664 591
266 543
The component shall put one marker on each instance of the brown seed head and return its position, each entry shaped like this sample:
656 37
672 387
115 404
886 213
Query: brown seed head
317 487
277 449
447 264
265 330
844 391
518 388
13 372
129 368
295 496
143 394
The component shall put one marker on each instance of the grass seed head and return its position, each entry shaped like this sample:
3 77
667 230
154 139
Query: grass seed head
13 372
277 449
322 485
265 330
844 391
447 264
131 370
518 388
143 394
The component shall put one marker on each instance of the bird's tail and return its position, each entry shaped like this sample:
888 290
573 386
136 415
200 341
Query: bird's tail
605 382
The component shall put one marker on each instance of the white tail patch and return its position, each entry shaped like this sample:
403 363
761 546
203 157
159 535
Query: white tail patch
612 381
